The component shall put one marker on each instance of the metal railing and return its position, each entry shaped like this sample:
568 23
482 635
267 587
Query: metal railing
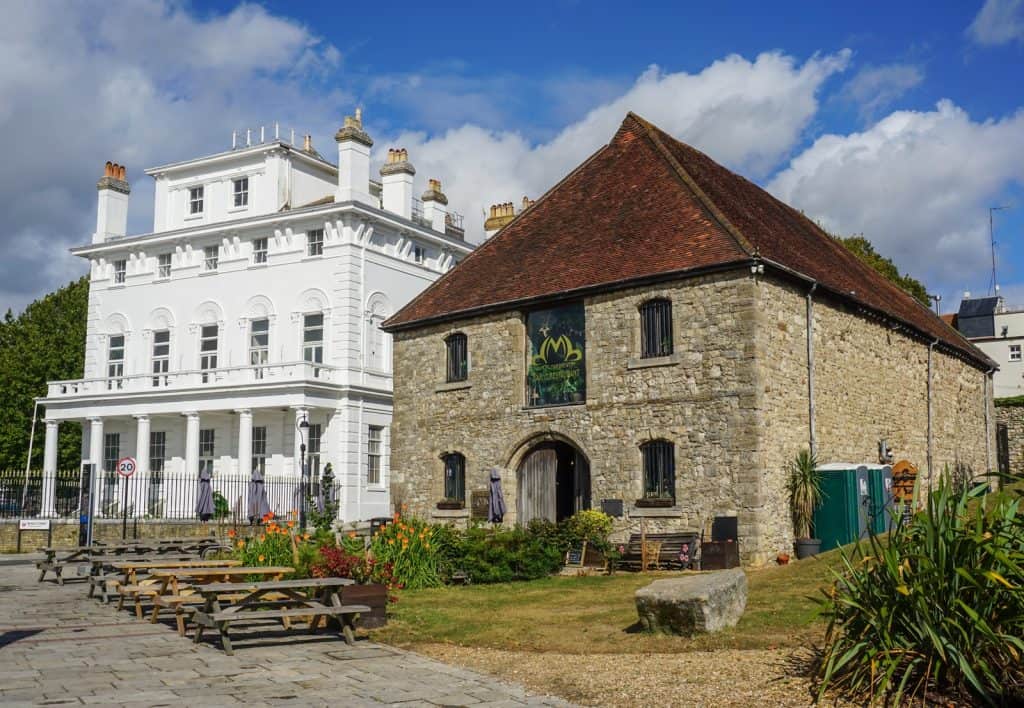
152 495
198 378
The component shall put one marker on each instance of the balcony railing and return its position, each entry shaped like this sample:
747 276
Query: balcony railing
197 379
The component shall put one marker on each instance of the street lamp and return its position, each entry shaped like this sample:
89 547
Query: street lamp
303 427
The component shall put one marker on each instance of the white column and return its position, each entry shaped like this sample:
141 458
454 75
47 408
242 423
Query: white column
244 442
49 467
140 480
192 445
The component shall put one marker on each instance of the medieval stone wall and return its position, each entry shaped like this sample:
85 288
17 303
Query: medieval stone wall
732 398
703 399
1012 416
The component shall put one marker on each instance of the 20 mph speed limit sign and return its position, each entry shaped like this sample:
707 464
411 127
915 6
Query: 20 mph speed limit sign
126 466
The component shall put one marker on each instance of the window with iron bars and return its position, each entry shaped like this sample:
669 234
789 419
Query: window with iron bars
374 445
455 477
656 328
315 242
458 359
659 470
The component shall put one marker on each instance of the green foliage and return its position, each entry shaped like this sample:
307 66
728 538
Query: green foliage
939 608
804 487
221 508
499 555
44 343
407 545
862 248
591 526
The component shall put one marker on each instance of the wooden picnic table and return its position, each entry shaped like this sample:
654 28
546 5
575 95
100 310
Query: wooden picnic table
315 598
78 555
173 594
131 586
102 580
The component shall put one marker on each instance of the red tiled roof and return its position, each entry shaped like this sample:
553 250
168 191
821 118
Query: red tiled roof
647 206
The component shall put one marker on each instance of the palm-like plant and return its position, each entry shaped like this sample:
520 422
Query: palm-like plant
804 488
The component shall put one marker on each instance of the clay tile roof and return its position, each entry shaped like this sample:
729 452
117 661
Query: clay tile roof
647 206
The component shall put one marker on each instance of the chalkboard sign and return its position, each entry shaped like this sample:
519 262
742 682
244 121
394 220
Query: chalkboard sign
480 504
574 557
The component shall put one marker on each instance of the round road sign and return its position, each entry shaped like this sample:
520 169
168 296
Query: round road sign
126 466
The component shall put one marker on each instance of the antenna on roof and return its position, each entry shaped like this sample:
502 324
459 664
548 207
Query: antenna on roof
993 286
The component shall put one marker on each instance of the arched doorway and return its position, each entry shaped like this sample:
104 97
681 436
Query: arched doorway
553 482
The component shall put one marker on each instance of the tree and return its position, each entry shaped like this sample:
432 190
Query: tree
862 248
44 343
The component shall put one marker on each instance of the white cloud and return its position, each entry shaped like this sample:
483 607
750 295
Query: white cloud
998 22
140 83
747 114
916 184
875 87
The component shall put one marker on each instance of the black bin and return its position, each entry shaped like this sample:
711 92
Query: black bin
377 523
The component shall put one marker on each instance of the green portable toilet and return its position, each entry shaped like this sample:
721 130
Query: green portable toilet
881 509
843 515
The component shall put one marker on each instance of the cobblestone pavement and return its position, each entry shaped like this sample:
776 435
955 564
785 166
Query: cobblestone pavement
58 647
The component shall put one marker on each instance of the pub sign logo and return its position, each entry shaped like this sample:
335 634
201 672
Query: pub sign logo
556 364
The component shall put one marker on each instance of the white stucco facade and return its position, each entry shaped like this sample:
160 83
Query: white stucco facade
255 302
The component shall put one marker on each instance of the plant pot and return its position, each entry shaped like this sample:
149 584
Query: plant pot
373 595
451 505
782 559
807 547
653 503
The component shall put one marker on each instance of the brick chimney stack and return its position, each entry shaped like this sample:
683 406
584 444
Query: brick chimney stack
354 161
396 176
112 204
501 215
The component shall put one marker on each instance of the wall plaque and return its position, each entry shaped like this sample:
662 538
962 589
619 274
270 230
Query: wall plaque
480 504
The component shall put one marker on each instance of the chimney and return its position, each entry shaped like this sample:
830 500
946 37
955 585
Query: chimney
501 215
396 175
435 205
354 161
307 143
112 208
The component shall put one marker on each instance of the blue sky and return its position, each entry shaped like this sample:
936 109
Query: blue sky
900 122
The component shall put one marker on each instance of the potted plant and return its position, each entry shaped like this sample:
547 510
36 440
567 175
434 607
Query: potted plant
804 488
451 504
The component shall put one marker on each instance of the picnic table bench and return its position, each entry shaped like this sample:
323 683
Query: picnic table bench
57 559
181 597
131 581
313 598
665 550
103 581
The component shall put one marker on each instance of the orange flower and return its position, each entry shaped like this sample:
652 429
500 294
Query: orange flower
391 541
427 544
352 534
262 558
291 524
305 536
231 533
241 543
263 537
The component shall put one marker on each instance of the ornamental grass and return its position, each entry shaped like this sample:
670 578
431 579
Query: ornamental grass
937 610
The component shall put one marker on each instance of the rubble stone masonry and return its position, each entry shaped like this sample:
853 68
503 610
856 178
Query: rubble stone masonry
733 398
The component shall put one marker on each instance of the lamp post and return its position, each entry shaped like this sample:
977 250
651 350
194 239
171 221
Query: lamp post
303 427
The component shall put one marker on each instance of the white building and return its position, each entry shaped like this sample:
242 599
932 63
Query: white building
999 332
255 302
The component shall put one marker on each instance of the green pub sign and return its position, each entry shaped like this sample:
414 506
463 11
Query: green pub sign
556 356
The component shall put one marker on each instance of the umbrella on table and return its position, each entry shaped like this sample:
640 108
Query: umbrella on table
259 506
204 499
496 507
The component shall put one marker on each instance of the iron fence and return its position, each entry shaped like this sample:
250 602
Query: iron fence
150 495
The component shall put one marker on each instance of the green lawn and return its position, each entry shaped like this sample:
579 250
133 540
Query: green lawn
598 615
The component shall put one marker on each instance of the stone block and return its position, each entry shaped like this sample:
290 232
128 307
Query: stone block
693 604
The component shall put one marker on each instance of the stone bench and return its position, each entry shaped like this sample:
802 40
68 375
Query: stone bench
693 604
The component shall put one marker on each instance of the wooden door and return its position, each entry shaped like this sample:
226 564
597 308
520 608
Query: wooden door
537 474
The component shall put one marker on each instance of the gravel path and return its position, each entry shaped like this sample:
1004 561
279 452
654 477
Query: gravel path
721 678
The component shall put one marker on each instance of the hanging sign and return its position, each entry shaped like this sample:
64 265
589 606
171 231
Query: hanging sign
126 466
556 363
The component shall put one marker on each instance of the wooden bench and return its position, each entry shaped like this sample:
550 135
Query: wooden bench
678 550
314 598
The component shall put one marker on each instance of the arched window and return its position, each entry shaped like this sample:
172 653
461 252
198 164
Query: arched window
454 477
458 357
655 328
659 460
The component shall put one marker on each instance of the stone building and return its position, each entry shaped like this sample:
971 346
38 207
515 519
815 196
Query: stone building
659 332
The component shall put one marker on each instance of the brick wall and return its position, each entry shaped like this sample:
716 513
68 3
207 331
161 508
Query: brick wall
65 533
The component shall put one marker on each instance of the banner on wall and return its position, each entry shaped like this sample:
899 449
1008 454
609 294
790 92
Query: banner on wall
556 356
